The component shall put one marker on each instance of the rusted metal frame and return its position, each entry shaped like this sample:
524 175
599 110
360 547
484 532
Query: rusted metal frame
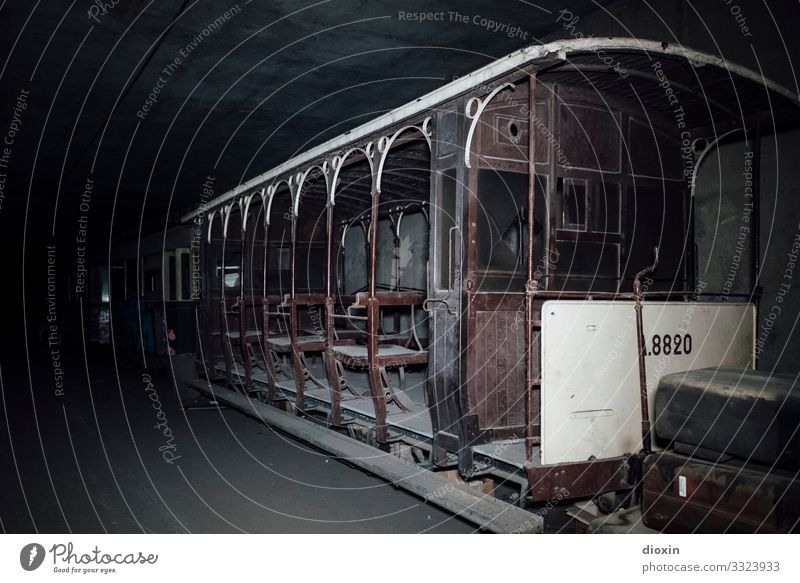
373 321
335 415
334 372
328 303
204 310
244 348
297 366
256 303
374 300
214 309
579 479
469 425
353 153
294 301
642 352
421 357
223 310
432 392
554 121
310 299
374 372
267 301
390 299
531 284
201 311
511 301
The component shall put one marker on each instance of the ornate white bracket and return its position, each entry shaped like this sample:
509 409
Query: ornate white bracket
247 200
301 178
473 111
211 216
385 144
227 211
262 194
274 188
337 163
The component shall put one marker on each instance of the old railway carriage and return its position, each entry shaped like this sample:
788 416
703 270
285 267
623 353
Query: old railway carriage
494 276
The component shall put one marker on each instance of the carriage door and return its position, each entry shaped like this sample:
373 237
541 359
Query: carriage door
494 362
445 283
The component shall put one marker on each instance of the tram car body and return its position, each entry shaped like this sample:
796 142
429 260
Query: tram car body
493 277
149 294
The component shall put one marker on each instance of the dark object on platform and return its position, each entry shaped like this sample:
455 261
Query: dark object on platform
623 521
688 495
749 415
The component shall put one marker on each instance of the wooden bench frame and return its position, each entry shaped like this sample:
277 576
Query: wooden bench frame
376 365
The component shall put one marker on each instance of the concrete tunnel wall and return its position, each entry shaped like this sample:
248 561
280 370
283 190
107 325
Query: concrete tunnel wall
724 233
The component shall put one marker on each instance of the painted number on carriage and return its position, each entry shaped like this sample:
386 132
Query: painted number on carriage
670 344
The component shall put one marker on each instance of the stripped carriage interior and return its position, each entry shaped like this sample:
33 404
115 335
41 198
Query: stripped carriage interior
423 283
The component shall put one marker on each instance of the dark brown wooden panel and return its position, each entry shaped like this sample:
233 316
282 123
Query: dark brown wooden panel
497 376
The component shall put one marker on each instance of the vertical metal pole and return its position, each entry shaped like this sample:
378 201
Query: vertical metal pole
329 250
530 286
292 252
223 321
756 243
335 417
243 250
266 256
299 374
373 243
373 324
642 351
272 391
243 315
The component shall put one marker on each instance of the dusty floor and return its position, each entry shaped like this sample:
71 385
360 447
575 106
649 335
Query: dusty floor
93 460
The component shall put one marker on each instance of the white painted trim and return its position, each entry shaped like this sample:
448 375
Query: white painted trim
385 144
338 164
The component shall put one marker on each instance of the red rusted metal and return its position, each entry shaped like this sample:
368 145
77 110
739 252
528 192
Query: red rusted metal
579 479
297 366
530 285
642 349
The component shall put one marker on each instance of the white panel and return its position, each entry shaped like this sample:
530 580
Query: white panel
590 375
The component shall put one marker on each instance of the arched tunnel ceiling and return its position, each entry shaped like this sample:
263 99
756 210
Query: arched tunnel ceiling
149 99
255 82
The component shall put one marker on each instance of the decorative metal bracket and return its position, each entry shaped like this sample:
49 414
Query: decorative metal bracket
211 216
473 111
300 181
385 144
274 190
227 211
337 163
247 200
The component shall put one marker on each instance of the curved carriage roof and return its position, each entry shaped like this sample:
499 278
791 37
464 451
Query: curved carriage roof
712 94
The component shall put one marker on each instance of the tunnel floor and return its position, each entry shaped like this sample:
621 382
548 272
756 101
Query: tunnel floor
124 457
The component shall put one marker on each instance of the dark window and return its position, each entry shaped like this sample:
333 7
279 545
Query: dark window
501 237
573 203
186 284
657 217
